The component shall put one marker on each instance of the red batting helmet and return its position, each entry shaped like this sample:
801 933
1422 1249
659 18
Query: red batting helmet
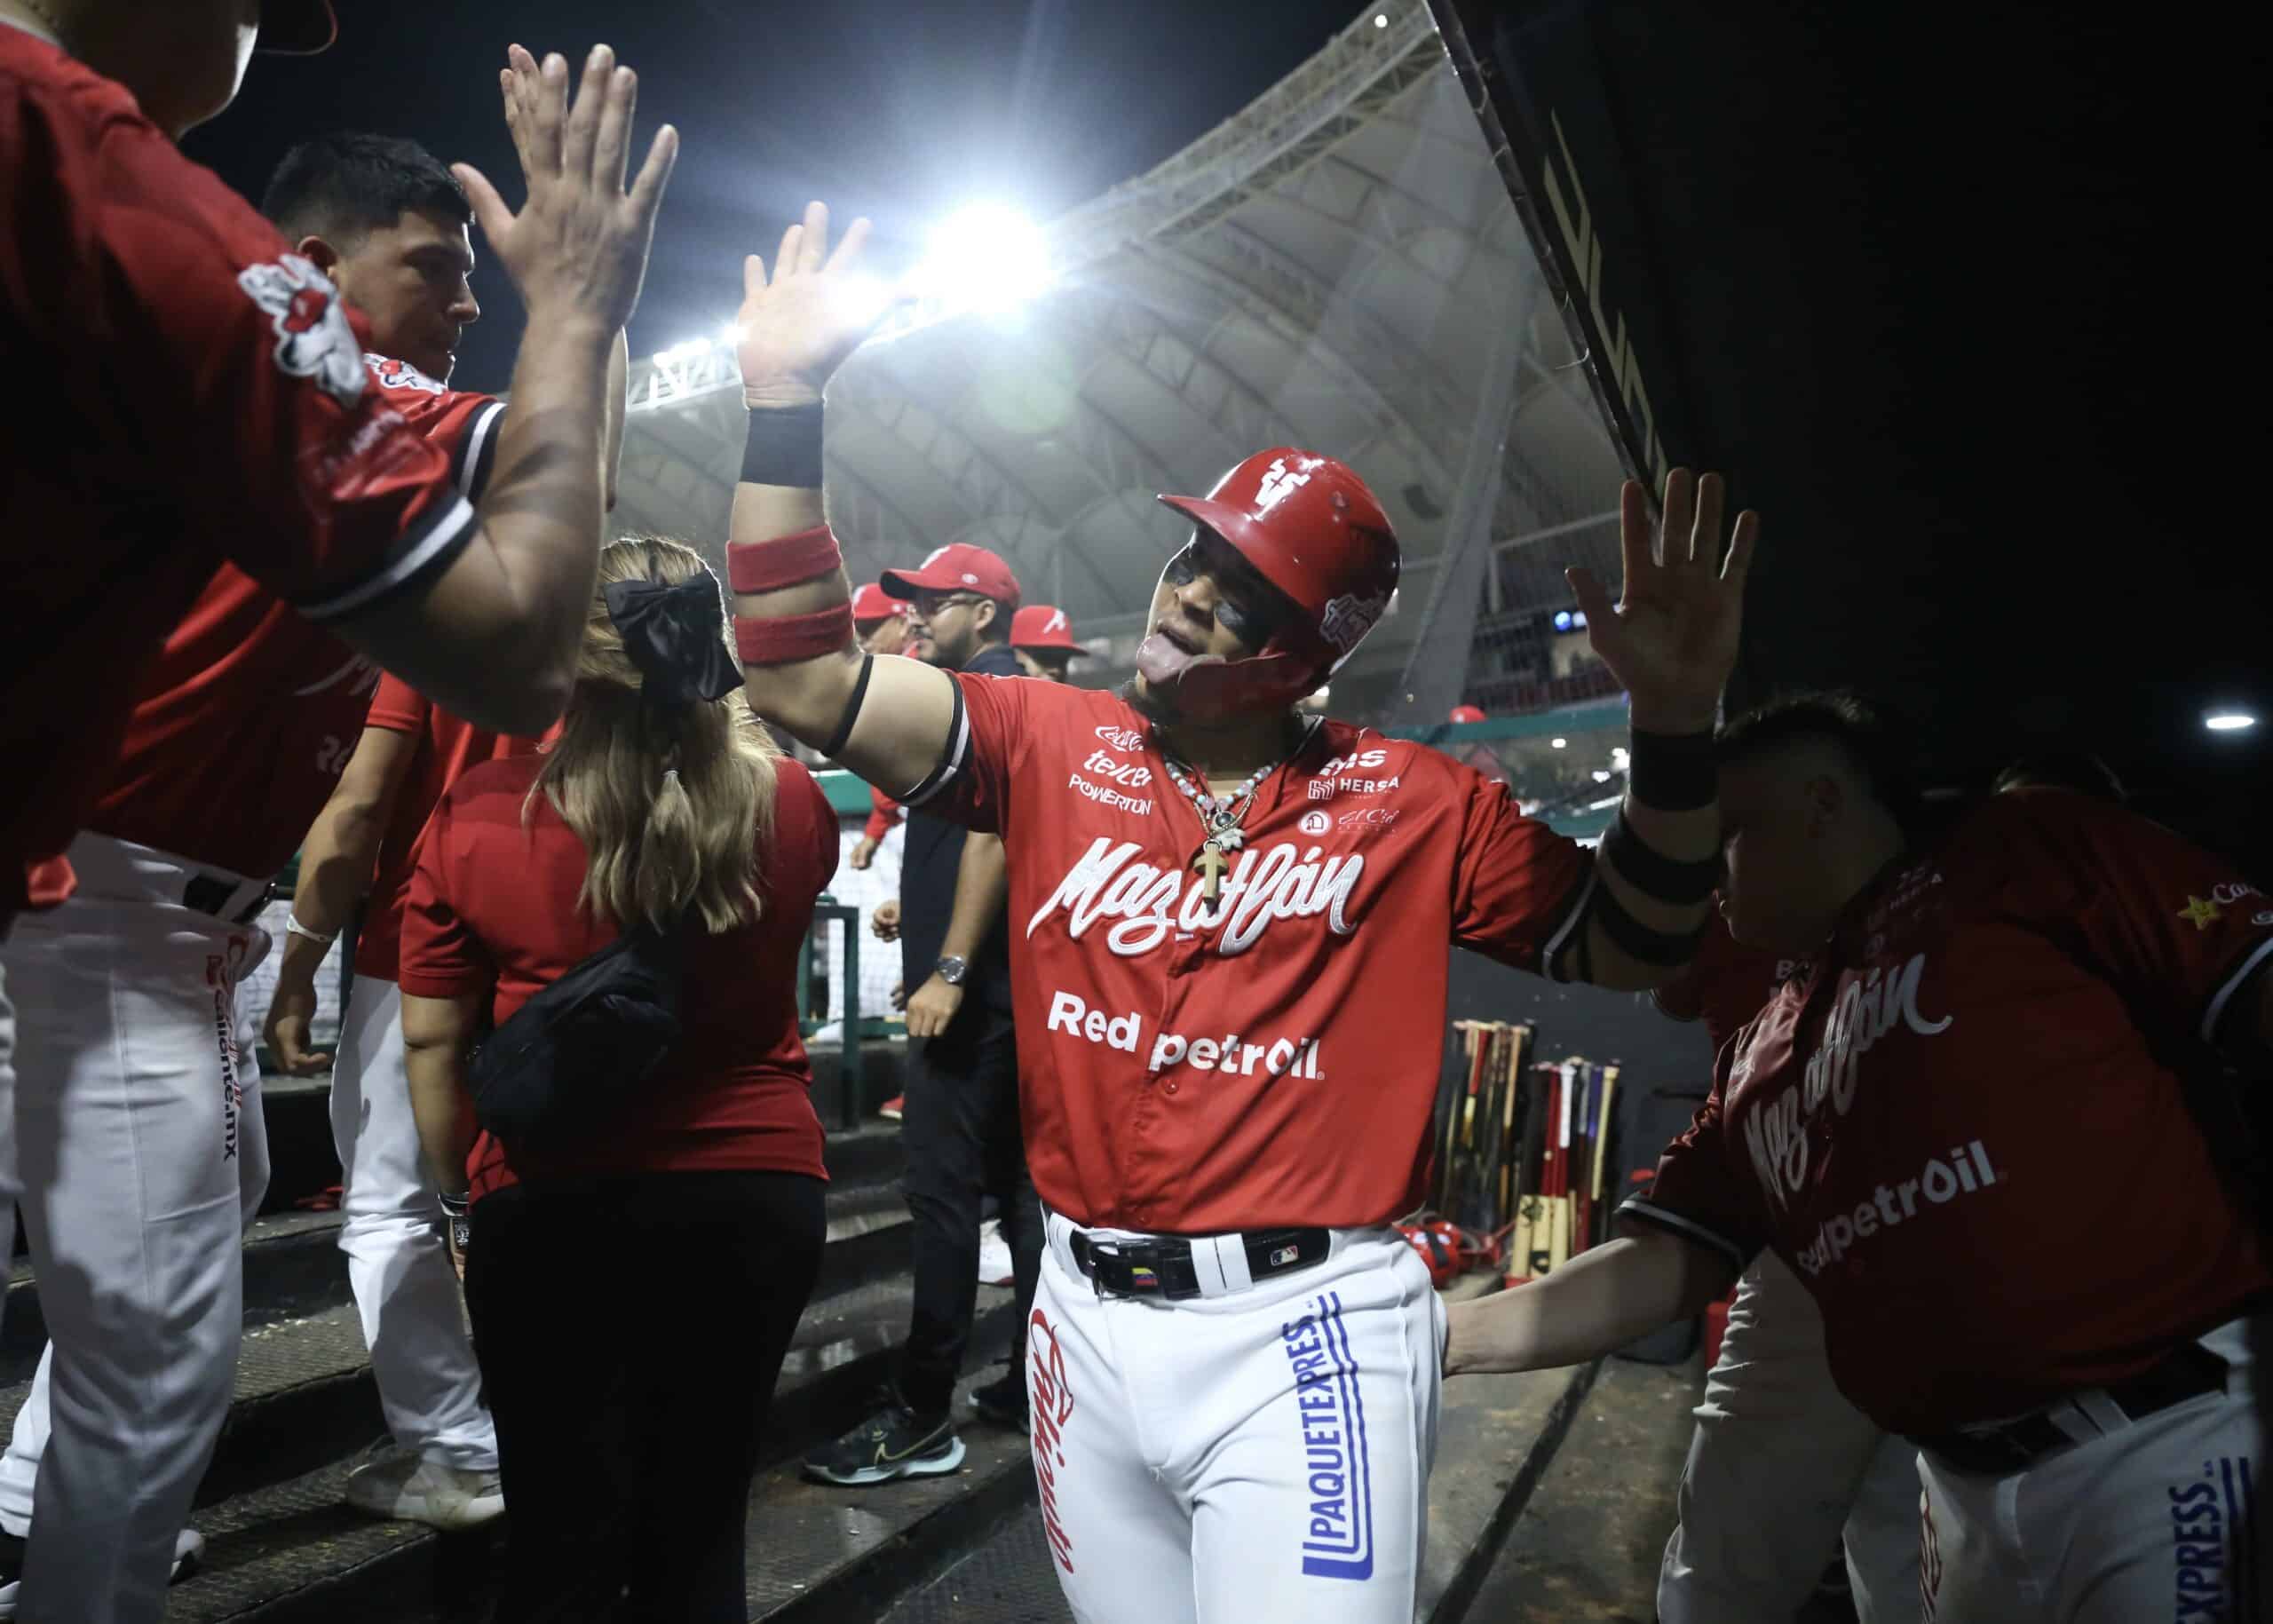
296 27
1308 524
1043 626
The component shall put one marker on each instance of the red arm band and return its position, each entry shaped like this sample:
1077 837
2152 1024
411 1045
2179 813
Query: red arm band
789 639
785 560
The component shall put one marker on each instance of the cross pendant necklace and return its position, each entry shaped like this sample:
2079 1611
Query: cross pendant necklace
1219 819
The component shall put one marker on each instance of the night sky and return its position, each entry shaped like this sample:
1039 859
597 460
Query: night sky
898 109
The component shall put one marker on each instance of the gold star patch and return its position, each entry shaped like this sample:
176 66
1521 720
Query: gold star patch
2201 911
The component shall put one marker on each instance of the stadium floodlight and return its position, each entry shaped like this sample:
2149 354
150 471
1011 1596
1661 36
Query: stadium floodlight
732 333
2229 721
1559 743
1380 20
988 257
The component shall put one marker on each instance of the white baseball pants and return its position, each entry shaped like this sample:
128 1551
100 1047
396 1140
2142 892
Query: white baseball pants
27 1443
1263 1453
2142 1522
130 1129
1779 1465
397 1262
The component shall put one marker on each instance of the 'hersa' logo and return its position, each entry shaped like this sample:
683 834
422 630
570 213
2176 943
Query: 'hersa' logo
395 374
313 338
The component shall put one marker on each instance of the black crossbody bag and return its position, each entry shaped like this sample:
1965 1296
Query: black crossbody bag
579 1052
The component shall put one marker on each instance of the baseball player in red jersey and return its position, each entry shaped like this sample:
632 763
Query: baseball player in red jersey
1233 1355
443 1470
1965 1126
237 738
210 404
881 622
1782 1470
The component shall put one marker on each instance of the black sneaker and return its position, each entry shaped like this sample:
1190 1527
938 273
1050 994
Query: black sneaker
895 1442
1002 1402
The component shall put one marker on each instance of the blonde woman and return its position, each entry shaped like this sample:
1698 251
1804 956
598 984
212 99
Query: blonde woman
627 1440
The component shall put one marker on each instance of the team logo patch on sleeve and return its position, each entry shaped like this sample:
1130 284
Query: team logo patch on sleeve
313 339
1337 1468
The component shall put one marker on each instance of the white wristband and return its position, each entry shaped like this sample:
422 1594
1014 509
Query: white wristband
293 927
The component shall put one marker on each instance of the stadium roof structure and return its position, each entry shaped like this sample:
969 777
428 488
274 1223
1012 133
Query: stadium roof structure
1338 267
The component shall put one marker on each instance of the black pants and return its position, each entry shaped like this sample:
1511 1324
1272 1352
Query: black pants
630 1331
960 1132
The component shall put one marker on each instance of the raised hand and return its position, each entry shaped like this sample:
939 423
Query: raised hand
798 326
1671 637
578 249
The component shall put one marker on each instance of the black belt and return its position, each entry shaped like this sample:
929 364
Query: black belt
2186 1372
210 894
1163 1267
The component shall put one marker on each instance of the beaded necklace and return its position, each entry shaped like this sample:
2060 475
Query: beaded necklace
1221 815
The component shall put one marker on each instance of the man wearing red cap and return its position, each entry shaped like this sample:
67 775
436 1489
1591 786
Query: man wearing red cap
1231 930
1042 638
959 1123
879 620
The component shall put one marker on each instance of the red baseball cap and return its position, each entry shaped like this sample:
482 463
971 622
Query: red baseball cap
1043 626
871 603
1466 713
957 567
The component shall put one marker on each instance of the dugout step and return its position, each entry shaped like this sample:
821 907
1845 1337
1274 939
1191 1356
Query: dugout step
293 1267
304 1394
285 1548
869 1153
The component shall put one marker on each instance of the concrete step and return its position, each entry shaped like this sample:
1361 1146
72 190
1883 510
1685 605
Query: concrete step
286 1547
292 1268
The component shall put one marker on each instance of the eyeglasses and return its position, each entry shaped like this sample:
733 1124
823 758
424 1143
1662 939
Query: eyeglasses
1243 608
928 607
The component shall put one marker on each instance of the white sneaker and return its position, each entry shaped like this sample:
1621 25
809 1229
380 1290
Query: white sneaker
404 1487
995 1266
189 1545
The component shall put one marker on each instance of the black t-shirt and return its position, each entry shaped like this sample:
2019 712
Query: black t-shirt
931 858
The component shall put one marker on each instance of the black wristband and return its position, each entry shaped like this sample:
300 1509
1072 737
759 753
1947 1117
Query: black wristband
1652 872
1673 771
842 736
784 446
1640 941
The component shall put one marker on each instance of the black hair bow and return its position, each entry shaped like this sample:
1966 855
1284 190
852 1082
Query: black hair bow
676 636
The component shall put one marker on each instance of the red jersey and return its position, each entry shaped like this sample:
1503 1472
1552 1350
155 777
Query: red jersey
884 814
449 746
204 402
493 910
249 712
1271 1059
1962 1128
1724 986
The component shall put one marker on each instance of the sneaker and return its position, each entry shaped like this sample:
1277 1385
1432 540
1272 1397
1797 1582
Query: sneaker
995 1266
895 1442
891 1108
1002 1402
189 1545
403 1486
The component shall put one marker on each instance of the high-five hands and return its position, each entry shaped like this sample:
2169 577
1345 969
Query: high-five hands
577 250
798 325
1671 638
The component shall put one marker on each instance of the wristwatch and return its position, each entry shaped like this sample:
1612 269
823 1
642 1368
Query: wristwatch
953 970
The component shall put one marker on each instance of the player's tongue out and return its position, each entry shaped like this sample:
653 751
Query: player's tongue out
1162 660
